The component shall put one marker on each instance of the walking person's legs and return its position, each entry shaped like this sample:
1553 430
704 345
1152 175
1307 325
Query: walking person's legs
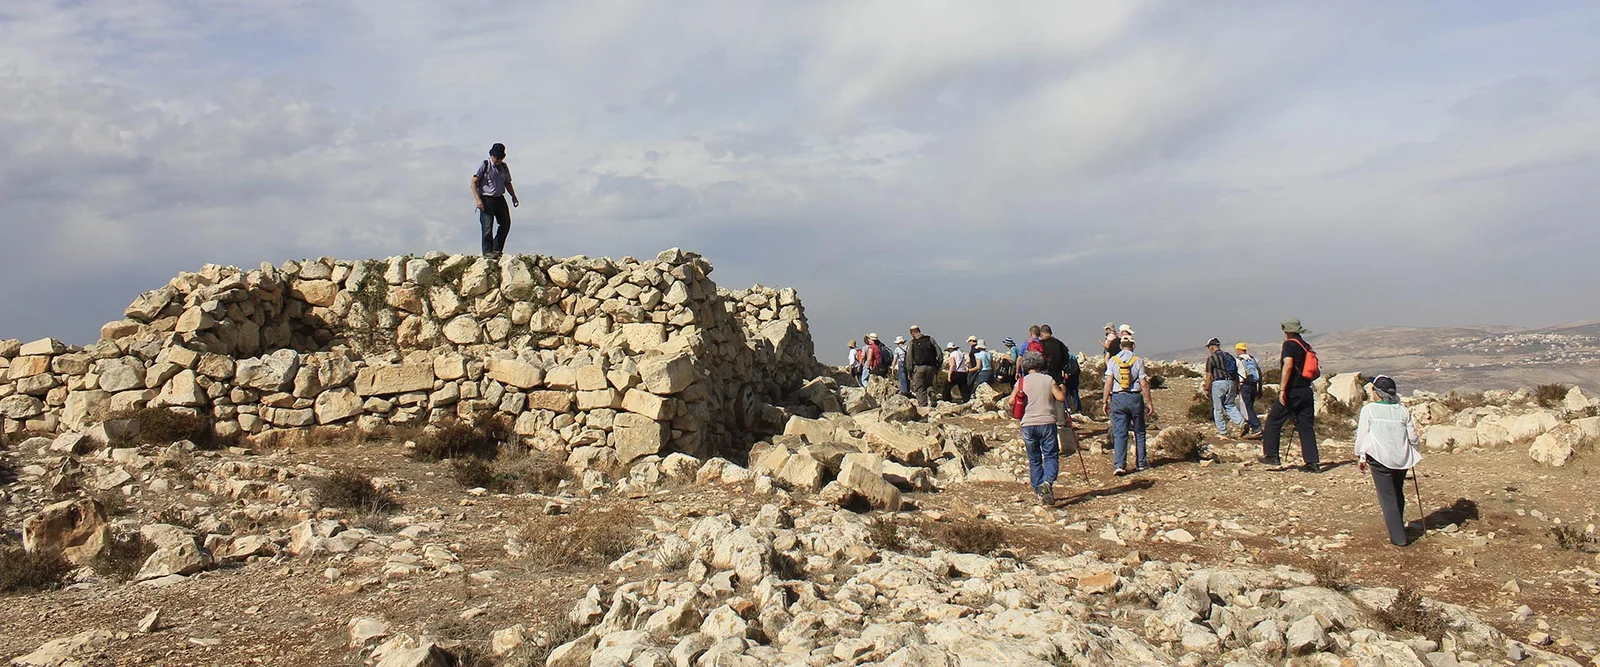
905 382
486 226
1230 403
1050 465
1303 403
1140 461
1121 419
505 228
1392 498
1032 440
922 385
1219 396
1276 416
1247 395
1074 403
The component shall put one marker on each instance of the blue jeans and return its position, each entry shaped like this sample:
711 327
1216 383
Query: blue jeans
1222 395
1044 453
1248 393
866 372
494 208
905 381
976 378
1127 411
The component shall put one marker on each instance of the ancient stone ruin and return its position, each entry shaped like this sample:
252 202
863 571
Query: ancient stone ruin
641 356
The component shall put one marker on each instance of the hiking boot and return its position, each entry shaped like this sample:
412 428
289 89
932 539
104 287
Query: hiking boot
1252 436
1312 468
1270 462
1047 494
1118 472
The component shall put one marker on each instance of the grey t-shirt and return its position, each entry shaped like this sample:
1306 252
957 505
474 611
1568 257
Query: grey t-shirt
1041 407
492 180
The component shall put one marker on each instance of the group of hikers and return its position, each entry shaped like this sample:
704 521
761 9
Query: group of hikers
1045 379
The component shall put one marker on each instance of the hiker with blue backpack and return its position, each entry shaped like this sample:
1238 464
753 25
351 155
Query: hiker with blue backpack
1221 379
1249 389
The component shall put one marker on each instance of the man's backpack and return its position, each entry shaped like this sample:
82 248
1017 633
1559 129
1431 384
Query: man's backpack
1125 372
885 359
1226 363
1312 370
1073 369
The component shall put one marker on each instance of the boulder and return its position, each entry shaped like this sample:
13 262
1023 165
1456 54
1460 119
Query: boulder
393 379
1557 446
856 400
76 528
1348 388
20 407
176 552
1576 400
274 372
1307 636
120 374
645 403
804 472
1590 427
427 655
68 651
637 438
872 487
43 347
335 405
820 392
519 374
181 391
1532 425
667 374
911 446
1441 438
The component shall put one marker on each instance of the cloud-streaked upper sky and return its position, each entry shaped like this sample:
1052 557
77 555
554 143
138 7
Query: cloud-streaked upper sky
1193 168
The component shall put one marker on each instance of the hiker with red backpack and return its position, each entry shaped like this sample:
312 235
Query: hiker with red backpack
1296 400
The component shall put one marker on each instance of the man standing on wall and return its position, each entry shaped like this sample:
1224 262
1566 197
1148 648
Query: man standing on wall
490 183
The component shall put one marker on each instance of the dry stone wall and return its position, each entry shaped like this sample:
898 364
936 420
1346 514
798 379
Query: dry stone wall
637 355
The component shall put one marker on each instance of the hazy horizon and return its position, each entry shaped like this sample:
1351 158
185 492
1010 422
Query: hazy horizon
1193 170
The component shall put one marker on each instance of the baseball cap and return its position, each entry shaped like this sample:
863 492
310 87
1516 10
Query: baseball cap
1212 342
1240 346
950 346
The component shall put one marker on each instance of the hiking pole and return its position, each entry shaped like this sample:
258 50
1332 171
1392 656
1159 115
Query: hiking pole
1077 445
1417 486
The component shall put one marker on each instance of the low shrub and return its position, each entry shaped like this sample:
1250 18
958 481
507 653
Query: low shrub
1456 402
579 541
8 472
1199 408
1408 613
1182 371
1573 538
1183 443
481 438
1272 376
164 426
1550 395
1329 573
31 571
350 490
1157 382
885 534
123 557
969 536
535 472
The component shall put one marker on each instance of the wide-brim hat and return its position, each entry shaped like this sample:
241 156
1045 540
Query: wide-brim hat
1240 346
872 336
982 345
1111 325
852 343
1125 329
1293 326
899 339
972 339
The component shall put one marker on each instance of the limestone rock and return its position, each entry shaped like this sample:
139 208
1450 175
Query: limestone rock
1307 636
667 374
337 404
76 528
1444 438
176 552
1556 447
67 652
1532 425
274 372
519 374
1348 388
394 379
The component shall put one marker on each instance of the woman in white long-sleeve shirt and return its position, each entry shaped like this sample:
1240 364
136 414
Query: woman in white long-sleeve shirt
1386 444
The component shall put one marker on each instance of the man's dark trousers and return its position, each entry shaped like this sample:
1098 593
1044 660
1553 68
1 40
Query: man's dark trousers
494 208
1248 391
1391 485
1300 405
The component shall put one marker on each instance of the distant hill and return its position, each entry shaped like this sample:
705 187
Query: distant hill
1456 358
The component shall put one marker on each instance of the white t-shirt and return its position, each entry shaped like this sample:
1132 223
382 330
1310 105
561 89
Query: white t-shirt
958 361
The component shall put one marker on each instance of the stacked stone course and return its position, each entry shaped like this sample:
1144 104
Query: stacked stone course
640 356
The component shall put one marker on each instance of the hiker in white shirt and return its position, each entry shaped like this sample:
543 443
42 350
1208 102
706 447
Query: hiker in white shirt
1386 443
956 374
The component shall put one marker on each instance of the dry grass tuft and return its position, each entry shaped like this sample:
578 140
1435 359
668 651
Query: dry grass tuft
1183 443
1408 613
1550 395
885 534
1573 538
514 471
351 490
1329 573
1199 408
578 541
123 557
969 536
164 426
31 572
482 438
1456 401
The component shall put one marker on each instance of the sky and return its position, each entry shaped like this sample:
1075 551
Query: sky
1192 169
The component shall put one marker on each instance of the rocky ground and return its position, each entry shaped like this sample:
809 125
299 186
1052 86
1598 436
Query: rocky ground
1211 561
